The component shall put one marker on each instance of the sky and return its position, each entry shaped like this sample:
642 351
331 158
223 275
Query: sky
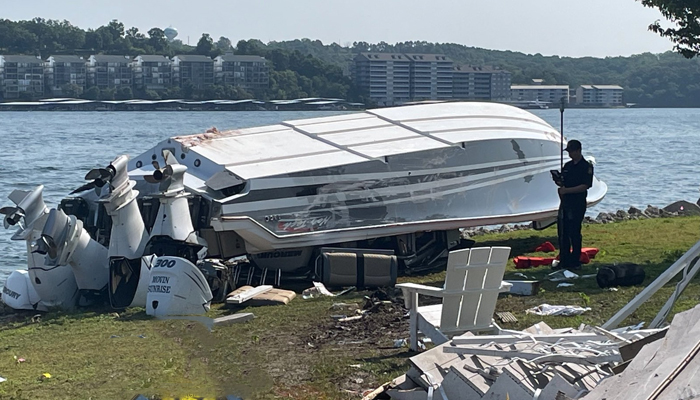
574 28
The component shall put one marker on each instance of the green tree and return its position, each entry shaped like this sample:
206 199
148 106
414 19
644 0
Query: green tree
685 15
157 39
205 45
71 90
107 94
92 93
187 90
224 44
124 93
151 95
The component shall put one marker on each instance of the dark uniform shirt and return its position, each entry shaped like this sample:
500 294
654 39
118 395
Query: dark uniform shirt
575 174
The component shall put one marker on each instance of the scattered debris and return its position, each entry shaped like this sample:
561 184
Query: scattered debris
565 284
2 379
271 296
245 295
546 309
524 288
662 369
234 318
506 316
539 362
561 275
319 289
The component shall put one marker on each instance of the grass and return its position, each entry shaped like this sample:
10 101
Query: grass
282 353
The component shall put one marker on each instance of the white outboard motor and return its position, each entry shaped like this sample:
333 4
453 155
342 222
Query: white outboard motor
173 236
177 287
65 242
129 280
19 294
55 285
128 236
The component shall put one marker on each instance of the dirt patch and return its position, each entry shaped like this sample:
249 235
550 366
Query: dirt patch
382 319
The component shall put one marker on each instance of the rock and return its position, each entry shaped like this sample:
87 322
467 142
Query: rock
622 215
683 207
634 211
652 211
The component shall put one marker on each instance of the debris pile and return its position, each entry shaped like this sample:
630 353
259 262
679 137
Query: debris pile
539 362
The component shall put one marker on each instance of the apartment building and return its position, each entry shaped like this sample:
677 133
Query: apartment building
385 77
599 95
431 76
109 71
480 83
197 69
540 93
21 76
63 70
152 72
248 72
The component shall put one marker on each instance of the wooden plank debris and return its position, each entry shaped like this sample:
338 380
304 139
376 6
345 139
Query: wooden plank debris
244 296
233 318
506 317
534 357
659 364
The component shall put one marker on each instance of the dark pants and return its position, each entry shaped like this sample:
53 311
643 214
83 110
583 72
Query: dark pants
569 231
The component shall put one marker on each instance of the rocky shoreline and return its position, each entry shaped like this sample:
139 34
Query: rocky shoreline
679 208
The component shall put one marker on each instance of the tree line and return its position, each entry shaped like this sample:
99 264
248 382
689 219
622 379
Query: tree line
292 73
309 68
650 80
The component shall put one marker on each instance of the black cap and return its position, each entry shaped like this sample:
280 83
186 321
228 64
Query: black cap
573 145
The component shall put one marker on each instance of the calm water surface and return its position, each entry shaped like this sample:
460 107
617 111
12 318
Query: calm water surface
646 156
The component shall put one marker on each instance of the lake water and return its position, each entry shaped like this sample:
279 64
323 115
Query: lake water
646 156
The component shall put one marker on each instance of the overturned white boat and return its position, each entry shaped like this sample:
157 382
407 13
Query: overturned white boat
398 182
373 179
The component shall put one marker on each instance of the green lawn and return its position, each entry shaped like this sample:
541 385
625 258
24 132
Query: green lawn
297 351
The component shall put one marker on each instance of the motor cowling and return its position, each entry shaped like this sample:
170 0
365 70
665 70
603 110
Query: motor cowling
177 287
19 294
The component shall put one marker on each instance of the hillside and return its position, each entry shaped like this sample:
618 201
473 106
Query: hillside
651 80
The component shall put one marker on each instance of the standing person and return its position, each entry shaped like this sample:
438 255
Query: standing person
576 178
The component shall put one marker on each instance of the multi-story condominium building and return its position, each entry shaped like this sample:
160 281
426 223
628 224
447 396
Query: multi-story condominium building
248 72
599 95
386 77
152 72
480 83
197 69
21 74
60 71
109 71
431 76
540 93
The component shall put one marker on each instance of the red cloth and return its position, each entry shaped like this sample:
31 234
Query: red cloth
546 247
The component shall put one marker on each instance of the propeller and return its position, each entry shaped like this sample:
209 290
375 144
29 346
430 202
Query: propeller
12 216
164 175
98 177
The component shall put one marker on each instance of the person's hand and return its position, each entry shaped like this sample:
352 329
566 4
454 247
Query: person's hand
561 191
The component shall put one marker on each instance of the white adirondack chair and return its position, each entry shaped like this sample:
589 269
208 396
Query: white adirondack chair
473 281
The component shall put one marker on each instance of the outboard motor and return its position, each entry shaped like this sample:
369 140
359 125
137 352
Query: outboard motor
65 242
128 235
19 294
177 287
55 285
